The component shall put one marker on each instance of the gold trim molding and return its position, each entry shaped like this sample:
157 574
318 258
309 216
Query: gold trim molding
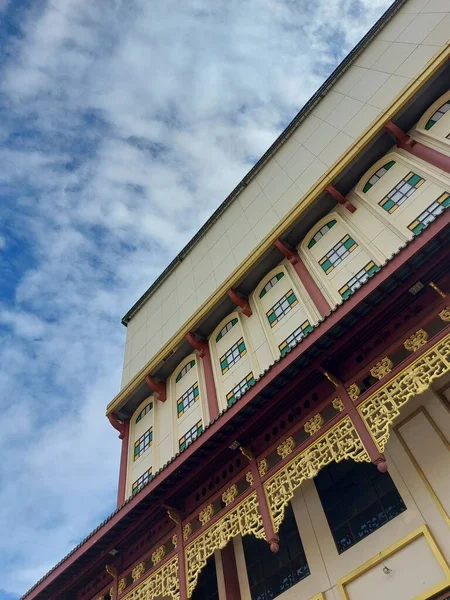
243 519
341 442
161 583
379 558
382 408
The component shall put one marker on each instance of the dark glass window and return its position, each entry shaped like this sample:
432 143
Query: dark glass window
206 588
357 499
271 574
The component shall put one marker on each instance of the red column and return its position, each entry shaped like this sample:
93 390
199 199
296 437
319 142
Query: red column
202 347
230 574
305 277
123 463
407 143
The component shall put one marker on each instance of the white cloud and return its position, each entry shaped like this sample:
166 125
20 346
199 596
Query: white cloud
127 124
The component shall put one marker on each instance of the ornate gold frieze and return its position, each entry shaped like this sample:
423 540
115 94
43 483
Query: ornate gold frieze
230 494
111 593
187 530
416 341
263 467
174 540
249 477
381 409
122 585
354 391
158 554
206 514
338 404
138 571
382 368
286 447
314 424
341 442
160 584
243 519
444 315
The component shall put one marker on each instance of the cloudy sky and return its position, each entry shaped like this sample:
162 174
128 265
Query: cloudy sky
124 124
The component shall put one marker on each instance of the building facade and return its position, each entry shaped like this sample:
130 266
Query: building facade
285 402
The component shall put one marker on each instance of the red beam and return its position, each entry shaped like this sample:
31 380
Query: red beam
241 302
159 387
341 199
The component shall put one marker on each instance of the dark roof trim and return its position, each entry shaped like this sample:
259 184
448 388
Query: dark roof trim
301 115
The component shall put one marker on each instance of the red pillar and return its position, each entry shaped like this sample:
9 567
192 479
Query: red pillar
305 277
230 574
123 464
202 347
407 143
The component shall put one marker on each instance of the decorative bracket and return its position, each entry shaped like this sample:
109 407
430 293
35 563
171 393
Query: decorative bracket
340 198
158 387
117 424
287 252
240 301
197 343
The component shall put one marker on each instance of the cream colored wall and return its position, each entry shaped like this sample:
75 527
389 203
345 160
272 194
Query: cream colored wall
138 467
381 71
414 566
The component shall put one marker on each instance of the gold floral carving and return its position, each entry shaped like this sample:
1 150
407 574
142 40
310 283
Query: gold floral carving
243 519
230 494
122 585
416 341
314 424
187 530
383 407
111 593
444 315
158 554
286 447
341 442
263 467
338 404
206 514
138 571
249 477
174 540
382 368
354 391
160 584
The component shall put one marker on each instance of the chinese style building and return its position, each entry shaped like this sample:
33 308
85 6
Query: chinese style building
285 406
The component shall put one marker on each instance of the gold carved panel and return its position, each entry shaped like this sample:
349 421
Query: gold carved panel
161 583
381 409
341 442
243 519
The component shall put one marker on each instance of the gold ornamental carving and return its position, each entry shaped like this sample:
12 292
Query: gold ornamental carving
111 593
286 447
242 520
416 341
249 477
354 391
263 467
230 494
174 540
341 442
382 368
381 409
444 315
187 530
338 404
122 585
160 584
158 554
206 514
138 571
314 424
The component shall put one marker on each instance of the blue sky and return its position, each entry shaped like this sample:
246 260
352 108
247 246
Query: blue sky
124 124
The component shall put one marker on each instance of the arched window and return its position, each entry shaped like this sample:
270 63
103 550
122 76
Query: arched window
322 231
378 175
226 329
147 408
185 369
435 124
436 116
269 285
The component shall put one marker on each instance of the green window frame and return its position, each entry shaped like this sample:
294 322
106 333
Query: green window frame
338 253
296 336
143 443
147 408
429 214
141 481
357 280
441 111
233 355
280 309
401 192
190 435
322 231
226 328
240 389
378 175
184 370
269 285
188 399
